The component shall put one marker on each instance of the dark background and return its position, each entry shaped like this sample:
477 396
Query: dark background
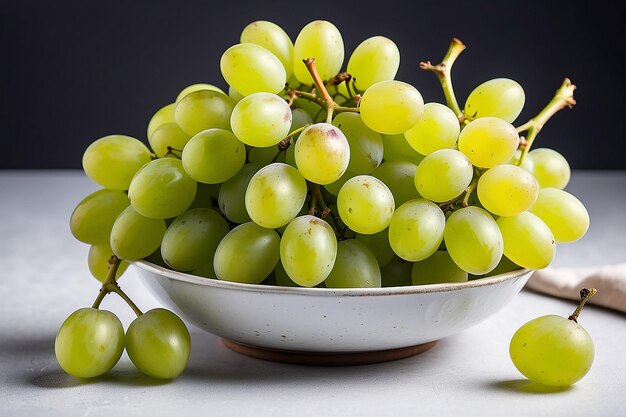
73 71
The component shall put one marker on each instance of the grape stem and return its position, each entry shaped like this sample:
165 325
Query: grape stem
110 285
585 295
443 71
564 97
318 198
285 143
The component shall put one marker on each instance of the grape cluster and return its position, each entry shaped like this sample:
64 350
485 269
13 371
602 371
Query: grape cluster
305 175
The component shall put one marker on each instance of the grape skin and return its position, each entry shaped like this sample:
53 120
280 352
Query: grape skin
203 109
399 176
196 87
162 116
365 204
98 262
232 194
134 236
322 153
438 128
250 68
564 214
488 141
507 190
92 219
261 119
527 240
550 168
213 156
416 229
391 107
366 146
443 175
436 269
501 97
355 267
320 40
373 60
273 38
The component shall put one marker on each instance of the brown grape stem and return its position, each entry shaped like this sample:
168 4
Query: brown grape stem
443 71
564 97
585 295
110 285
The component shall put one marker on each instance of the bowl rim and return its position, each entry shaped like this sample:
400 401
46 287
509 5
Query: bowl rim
330 292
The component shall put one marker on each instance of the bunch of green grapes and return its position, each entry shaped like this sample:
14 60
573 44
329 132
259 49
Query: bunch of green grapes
306 175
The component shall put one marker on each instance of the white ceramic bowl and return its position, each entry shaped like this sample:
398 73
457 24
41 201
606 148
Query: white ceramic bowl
326 320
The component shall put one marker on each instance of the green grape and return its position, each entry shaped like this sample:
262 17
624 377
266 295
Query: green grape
365 204
507 190
235 95
416 229
563 213
550 168
232 196
206 196
396 148
334 187
438 128
397 273
528 241
261 119
248 253
282 279
320 40
113 160
488 141
322 153
299 118
167 135
311 107
265 156
205 270
438 268
93 217
366 146
391 107
473 240
273 38
250 68
399 176
501 97
355 267
443 175
158 344
552 350
505 265
134 236
275 195
89 343
98 262
308 249
197 87
527 163
375 59
213 156
163 116
378 243
191 240
204 109
162 189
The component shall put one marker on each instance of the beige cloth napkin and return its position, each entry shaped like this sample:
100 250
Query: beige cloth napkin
610 281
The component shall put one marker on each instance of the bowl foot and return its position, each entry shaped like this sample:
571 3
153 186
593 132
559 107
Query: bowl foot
327 358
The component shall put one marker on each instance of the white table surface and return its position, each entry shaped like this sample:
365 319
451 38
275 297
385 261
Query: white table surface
44 277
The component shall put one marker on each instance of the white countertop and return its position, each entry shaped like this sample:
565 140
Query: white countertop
44 278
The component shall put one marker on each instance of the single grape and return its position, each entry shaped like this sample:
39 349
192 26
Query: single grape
232 194
248 253
235 95
396 148
550 168
134 236
320 40
334 187
366 146
275 195
564 214
191 240
168 135
365 204
113 160
501 97
437 269
162 116
261 119
399 176
438 128
273 38
203 109
378 243
416 229
396 273
206 196
98 262
507 190
375 59
527 163
250 68
158 344
443 175
213 156
355 267
89 343
322 153
282 279
93 217
197 87
161 189
473 240
308 249
488 141
527 240
391 107
505 265
554 350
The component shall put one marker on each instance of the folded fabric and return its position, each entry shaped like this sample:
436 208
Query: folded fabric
610 281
